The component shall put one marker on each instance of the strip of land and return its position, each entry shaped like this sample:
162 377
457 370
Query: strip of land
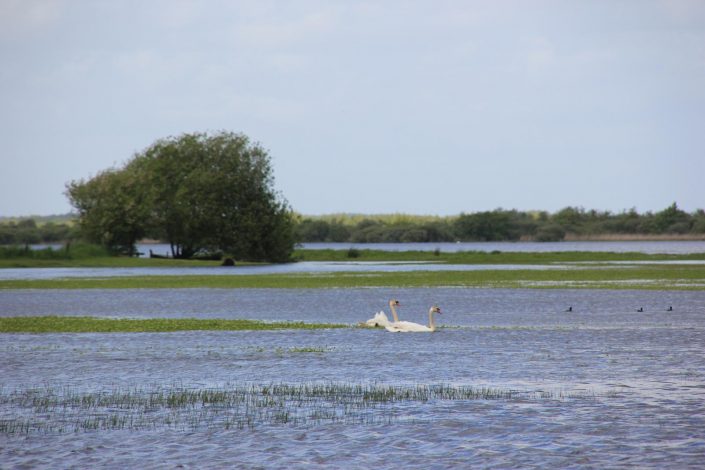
462 257
60 324
654 277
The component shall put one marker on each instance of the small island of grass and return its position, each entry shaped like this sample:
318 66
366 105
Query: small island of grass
68 324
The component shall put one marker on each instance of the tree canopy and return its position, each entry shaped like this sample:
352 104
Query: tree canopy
199 192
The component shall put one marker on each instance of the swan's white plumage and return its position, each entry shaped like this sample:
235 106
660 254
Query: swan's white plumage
406 326
380 319
411 327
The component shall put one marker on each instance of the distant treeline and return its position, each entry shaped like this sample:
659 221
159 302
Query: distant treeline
496 225
500 225
28 232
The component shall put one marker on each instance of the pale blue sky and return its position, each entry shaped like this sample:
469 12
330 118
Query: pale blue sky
425 107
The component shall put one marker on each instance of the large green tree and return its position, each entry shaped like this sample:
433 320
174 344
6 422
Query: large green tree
111 209
206 192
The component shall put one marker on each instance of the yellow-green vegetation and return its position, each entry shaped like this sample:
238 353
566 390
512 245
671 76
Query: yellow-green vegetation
664 277
396 218
61 324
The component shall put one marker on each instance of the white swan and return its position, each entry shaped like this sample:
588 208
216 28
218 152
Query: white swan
407 326
380 319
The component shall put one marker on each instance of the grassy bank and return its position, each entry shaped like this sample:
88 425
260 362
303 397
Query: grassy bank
481 257
102 262
57 324
670 277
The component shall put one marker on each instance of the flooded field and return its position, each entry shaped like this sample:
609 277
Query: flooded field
601 386
289 268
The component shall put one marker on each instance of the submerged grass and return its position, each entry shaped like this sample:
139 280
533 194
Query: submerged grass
240 406
61 324
661 277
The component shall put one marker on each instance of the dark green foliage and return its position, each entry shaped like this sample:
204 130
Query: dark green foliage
672 220
353 253
112 209
28 232
486 226
322 231
70 251
550 233
202 193
504 225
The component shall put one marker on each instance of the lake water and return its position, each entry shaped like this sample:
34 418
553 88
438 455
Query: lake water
602 386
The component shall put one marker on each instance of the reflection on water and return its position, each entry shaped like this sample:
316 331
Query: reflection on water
633 383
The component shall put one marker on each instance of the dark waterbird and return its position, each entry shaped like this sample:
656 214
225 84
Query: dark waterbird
570 309
670 308
640 309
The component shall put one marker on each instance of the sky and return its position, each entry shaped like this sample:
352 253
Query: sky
421 107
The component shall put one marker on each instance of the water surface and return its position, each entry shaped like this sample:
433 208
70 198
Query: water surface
288 268
626 388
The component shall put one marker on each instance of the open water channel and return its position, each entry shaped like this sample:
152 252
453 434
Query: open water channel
602 386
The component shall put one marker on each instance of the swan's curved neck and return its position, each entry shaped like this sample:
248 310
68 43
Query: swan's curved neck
431 324
394 311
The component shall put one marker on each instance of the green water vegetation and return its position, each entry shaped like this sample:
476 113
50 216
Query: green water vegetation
47 410
66 324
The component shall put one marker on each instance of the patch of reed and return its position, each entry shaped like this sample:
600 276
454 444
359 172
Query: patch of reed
48 410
